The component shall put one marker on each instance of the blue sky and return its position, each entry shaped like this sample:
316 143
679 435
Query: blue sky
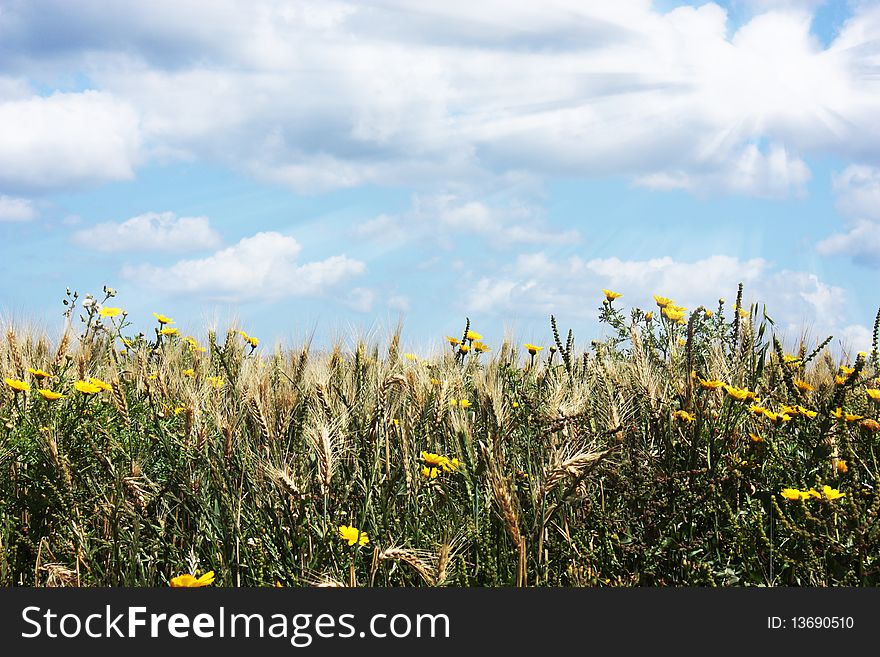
334 166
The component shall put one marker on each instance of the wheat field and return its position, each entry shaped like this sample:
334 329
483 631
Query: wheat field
687 448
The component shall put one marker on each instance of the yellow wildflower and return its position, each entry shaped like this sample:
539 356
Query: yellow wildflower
532 349
38 374
87 388
49 395
430 473
216 381
803 385
452 341
353 535
473 335
756 438
411 357
684 416
169 331
674 315
611 296
874 394
711 384
463 348
791 494
842 466
649 316
190 373
18 386
662 301
739 394
189 581
106 311
480 348
832 494
251 340
806 412
435 382
162 319
103 385
464 403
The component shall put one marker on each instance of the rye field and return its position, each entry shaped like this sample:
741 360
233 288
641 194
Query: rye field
689 447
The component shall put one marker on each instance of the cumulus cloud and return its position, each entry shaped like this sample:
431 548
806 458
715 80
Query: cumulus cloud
323 95
67 140
264 267
537 285
857 189
445 218
16 209
153 231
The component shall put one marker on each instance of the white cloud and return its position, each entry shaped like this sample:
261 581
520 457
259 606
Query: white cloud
16 209
67 140
447 217
153 231
264 267
536 285
360 299
775 174
323 95
858 191
861 243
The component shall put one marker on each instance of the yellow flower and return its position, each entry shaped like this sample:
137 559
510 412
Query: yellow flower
169 331
435 382
758 410
18 386
611 296
189 373
739 393
162 319
711 384
87 388
756 438
842 466
684 416
449 465
874 394
790 410
807 412
216 381
353 535
649 316
791 360
153 376
411 357
106 311
472 335
464 403
189 581
837 412
481 348
840 380
463 348
49 395
803 385
251 340
193 344
847 370
39 374
662 301
852 417
532 349
674 315
433 459
103 385
430 473
791 494
709 313
452 341
832 494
